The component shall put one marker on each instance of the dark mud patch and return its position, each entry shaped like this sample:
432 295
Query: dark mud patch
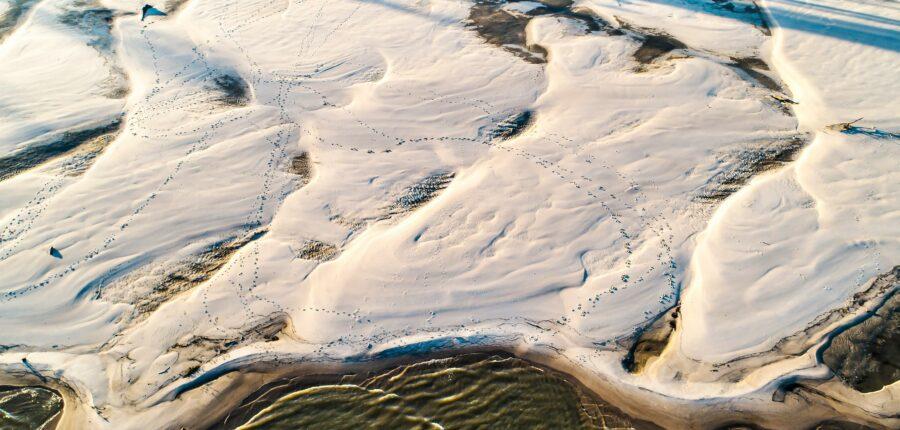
754 69
866 356
506 29
651 341
29 408
740 166
15 13
317 250
148 291
464 391
92 139
231 90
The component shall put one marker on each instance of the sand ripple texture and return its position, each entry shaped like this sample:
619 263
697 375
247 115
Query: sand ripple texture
303 181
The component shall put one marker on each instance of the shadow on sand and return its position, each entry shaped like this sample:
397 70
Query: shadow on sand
862 28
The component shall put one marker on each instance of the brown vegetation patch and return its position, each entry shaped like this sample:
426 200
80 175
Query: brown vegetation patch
301 165
318 251
742 165
148 291
420 193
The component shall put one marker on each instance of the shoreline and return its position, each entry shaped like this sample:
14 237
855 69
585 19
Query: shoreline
797 410
72 414
235 382
269 393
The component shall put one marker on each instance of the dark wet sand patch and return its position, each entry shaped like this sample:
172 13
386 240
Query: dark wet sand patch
867 356
29 408
460 392
36 154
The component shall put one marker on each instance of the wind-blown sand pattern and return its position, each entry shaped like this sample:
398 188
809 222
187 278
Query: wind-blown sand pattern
668 200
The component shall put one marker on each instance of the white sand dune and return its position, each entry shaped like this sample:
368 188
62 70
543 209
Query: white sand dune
569 235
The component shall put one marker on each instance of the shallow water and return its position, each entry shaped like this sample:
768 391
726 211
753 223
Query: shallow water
456 393
28 408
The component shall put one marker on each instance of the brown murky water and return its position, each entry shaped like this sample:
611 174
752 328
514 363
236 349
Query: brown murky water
28 408
482 392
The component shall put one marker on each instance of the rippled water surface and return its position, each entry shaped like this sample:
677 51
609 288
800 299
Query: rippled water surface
28 408
457 393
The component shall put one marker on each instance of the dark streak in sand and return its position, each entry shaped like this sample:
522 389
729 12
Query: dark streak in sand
36 154
866 356
506 30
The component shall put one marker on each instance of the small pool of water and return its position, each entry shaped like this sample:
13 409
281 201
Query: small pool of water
29 408
468 392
